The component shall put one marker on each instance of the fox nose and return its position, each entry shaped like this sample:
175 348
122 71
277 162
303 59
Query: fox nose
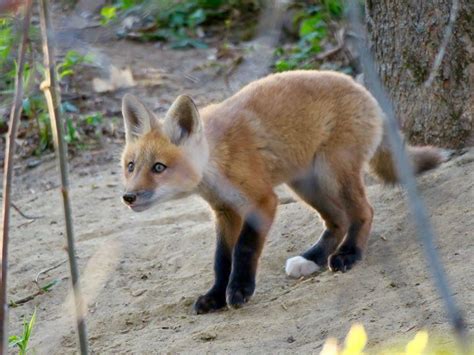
129 197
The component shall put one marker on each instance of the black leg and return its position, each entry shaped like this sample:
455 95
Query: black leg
214 299
321 250
316 191
348 253
245 260
228 226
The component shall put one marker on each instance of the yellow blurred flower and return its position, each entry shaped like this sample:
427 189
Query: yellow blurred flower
355 341
418 344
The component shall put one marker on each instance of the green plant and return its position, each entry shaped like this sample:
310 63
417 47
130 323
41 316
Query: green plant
6 63
77 127
313 29
44 131
6 38
108 13
70 62
334 7
94 120
35 113
178 21
34 105
71 136
22 341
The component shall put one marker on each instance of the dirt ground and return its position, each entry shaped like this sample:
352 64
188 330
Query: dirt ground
142 272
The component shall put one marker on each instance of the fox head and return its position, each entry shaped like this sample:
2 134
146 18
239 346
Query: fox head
162 160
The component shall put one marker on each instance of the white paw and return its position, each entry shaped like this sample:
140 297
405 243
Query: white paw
299 266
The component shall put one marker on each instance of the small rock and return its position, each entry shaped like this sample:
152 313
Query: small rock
138 292
207 336
290 339
33 163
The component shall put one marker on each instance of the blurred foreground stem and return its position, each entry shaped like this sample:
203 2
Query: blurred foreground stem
50 89
8 174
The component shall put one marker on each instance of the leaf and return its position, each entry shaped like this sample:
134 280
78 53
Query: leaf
49 286
29 328
311 24
69 107
108 13
27 106
13 340
283 65
71 132
126 4
94 120
88 58
65 73
213 4
177 19
196 18
334 7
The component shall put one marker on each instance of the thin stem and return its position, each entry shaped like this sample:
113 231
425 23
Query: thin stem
50 89
404 171
448 32
7 177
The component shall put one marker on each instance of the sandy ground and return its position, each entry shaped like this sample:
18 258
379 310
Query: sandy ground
142 272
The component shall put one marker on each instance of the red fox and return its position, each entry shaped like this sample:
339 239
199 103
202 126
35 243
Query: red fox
312 130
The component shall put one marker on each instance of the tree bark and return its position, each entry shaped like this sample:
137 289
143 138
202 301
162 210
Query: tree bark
405 37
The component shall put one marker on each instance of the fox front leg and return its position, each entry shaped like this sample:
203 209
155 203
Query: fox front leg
228 225
247 252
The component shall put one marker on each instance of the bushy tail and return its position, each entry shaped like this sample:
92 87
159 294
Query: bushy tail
422 159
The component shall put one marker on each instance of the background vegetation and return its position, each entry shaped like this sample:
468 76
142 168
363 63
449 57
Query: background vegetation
310 30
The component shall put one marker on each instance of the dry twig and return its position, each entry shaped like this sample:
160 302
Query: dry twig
7 177
24 215
41 291
45 271
340 45
49 87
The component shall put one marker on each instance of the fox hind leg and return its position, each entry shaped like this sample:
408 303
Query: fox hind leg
320 190
360 214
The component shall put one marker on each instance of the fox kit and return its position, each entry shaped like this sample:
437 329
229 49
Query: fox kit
312 130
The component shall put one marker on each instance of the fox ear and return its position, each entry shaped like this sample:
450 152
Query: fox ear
137 118
182 120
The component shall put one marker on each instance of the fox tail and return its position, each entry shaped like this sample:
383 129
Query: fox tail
422 158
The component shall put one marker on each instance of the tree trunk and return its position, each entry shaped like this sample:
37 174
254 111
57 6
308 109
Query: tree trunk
405 36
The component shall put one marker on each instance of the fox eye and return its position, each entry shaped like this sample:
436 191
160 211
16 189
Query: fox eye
130 167
159 168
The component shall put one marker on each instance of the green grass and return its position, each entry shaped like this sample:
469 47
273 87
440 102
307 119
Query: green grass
22 341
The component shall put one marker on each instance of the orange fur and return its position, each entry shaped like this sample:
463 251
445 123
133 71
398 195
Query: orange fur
314 130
